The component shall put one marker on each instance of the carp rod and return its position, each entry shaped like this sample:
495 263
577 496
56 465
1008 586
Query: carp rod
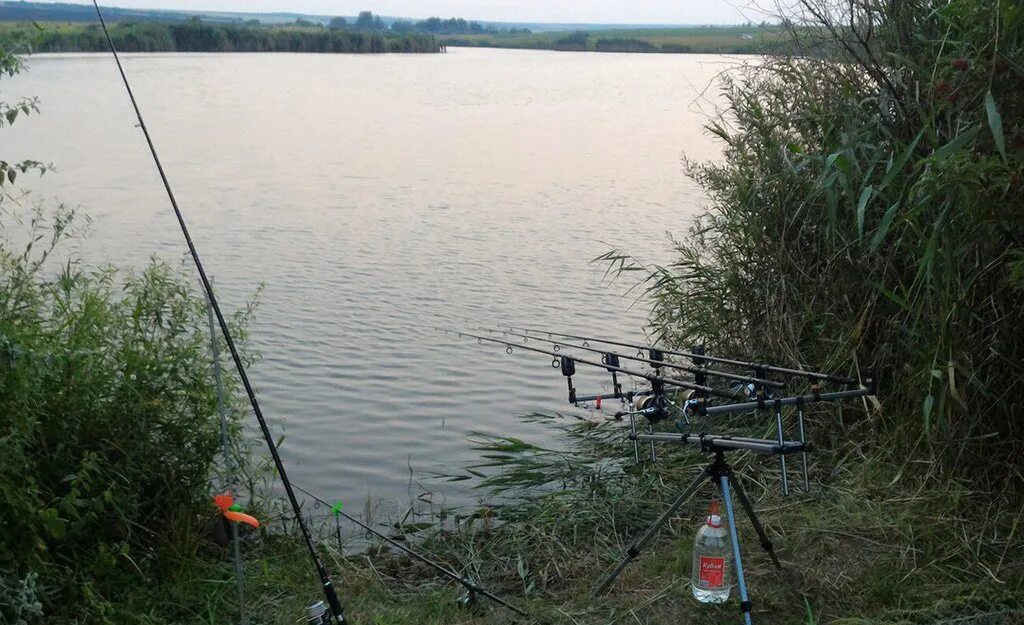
654 362
330 594
569 369
810 375
470 586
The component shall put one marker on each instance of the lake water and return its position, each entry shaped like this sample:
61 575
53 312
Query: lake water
377 197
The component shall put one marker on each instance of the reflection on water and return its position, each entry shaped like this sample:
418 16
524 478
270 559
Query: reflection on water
377 197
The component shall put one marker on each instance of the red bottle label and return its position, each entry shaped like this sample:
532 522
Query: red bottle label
712 572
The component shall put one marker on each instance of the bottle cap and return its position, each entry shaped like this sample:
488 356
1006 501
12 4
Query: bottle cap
714 519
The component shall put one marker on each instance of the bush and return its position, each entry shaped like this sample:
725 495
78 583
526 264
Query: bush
108 423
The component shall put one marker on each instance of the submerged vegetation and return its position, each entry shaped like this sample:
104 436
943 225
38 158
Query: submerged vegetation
866 210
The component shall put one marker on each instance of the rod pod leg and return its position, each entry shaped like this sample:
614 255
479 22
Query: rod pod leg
723 482
640 543
766 542
632 430
803 454
782 438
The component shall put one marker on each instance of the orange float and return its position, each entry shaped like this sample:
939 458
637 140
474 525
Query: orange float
226 503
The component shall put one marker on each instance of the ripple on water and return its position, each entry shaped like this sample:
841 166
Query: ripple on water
460 191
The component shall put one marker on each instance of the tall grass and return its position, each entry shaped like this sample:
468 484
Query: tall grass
867 209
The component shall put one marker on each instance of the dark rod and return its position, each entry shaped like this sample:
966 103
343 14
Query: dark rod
328 588
785 401
660 363
440 568
813 375
761 446
603 396
594 363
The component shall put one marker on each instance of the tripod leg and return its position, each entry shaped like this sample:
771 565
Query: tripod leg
632 430
766 542
742 583
640 543
803 454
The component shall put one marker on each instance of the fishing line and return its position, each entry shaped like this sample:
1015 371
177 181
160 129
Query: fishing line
329 592
470 586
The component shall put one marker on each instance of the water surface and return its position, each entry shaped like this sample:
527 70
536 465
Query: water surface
377 197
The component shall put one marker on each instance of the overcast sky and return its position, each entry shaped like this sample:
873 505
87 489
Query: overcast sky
593 11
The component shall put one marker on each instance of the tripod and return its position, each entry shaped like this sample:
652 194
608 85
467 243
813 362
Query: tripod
722 474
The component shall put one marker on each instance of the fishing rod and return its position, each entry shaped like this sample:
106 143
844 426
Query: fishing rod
702 409
470 586
569 369
811 375
654 362
714 442
330 594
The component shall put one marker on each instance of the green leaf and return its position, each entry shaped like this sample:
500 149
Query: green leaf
896 167
55 525
926 410
810 613
862 205
995 123
883 227
11 175
958 142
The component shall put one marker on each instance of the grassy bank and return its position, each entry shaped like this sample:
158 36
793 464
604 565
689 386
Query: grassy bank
695 39
874 542
197 36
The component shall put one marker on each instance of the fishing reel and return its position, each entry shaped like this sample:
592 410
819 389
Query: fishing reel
652 407
752 391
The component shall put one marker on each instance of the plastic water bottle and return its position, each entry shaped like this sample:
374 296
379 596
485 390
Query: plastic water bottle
712 560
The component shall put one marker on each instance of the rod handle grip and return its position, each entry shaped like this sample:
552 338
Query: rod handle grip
332 600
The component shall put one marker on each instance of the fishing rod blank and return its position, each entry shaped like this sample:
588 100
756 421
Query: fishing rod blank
711 442
704 410
440 568
658 363
725 361
570 359
329 593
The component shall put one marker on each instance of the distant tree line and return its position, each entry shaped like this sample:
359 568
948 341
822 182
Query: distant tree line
197 36
367 21
453 26
628 44
576 41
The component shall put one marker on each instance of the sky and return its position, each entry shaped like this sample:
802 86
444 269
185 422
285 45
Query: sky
574 11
